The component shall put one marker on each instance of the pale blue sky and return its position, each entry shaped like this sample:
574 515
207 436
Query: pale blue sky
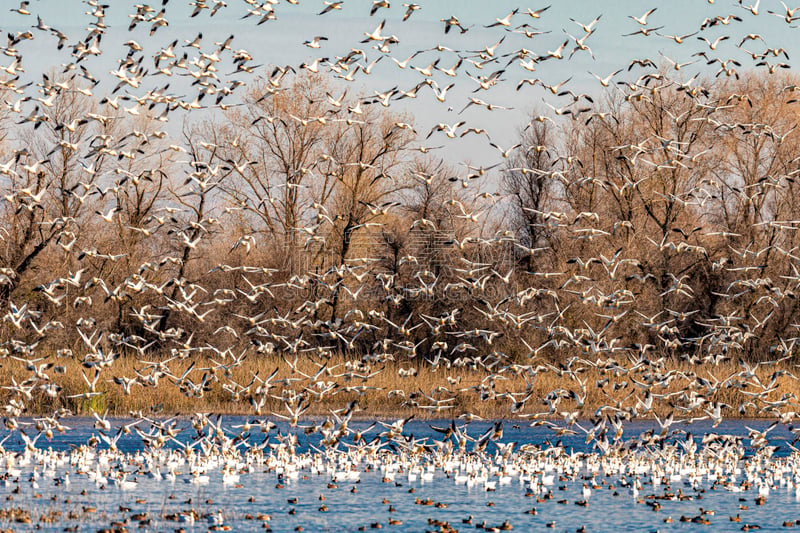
280 42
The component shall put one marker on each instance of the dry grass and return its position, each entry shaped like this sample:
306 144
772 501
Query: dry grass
387 394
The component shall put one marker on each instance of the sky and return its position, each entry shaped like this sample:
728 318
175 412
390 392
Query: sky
280 42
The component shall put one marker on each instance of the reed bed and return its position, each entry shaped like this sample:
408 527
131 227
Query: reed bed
401 388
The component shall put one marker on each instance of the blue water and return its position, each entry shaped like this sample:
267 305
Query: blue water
81 429
609 509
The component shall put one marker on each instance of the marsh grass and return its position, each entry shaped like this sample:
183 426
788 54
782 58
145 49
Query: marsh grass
388 394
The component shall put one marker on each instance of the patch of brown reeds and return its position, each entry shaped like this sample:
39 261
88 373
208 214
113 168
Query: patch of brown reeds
398 388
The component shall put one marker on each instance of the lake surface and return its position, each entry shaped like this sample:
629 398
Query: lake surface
296 500
81 429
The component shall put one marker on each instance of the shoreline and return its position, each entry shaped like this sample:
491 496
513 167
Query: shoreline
319 417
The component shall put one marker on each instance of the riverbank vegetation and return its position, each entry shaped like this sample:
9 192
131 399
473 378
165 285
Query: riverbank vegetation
657 229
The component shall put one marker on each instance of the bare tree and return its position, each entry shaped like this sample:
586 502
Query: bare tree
50 182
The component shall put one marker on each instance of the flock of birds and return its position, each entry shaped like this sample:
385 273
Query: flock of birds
682 475
460 309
